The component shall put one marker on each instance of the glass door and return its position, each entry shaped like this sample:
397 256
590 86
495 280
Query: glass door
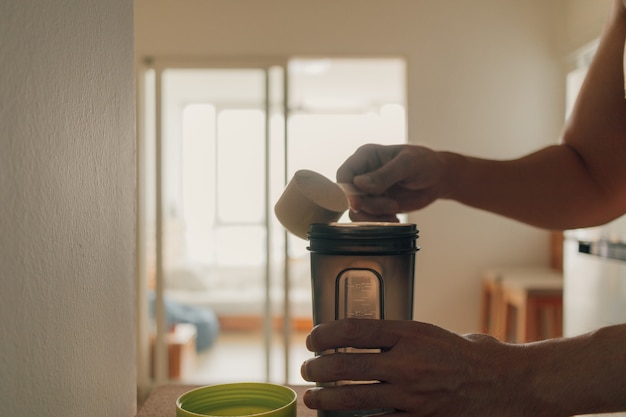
204 223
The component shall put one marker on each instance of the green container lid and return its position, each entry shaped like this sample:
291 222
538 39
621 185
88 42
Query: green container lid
238 399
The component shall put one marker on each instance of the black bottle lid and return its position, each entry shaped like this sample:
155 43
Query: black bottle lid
363 238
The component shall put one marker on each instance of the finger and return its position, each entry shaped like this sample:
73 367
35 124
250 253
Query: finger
347 397
365 159
375 396
394 171
352 366
357 333
363 216
388 399
378 206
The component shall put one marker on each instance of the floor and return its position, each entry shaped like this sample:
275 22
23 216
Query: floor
240 356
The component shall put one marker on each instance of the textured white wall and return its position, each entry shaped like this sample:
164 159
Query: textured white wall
66 209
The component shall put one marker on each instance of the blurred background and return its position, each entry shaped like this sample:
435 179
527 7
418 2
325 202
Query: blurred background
235 96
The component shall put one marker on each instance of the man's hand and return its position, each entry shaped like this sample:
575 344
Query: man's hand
392 179
423 370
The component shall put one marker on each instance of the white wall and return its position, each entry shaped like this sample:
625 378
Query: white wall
582 21
67 209
484 78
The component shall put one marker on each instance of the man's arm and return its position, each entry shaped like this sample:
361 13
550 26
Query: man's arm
580 182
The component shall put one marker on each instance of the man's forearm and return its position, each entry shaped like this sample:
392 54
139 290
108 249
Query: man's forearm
550 188
580 375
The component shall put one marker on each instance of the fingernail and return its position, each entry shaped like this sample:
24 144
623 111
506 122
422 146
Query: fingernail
309 397
303 370
354 204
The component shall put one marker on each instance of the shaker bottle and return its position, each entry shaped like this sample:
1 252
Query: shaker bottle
361 270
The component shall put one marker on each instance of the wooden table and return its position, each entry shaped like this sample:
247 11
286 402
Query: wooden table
530 299
534 294
162 401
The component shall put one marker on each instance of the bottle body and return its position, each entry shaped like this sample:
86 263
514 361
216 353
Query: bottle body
361 270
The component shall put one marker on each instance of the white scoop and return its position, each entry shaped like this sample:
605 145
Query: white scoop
311 198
